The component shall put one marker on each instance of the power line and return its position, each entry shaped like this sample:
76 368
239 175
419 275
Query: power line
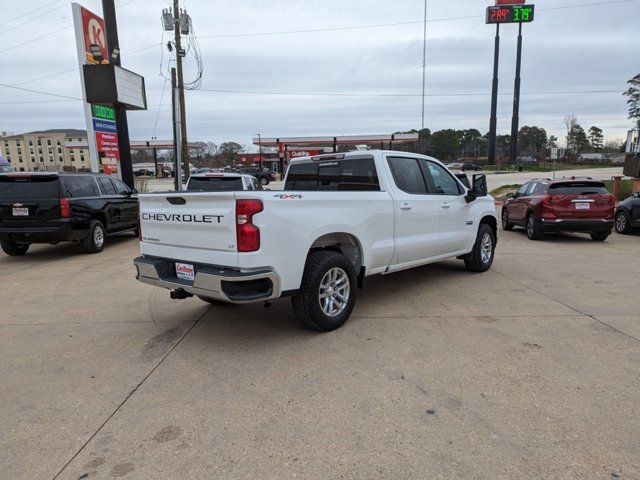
33 18
28 13
38 91
34 39
43 77
37 101
353 94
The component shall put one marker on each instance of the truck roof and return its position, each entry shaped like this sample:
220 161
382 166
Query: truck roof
355 154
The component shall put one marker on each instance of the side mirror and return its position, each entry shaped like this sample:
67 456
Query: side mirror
636 194
478 188
511 195
134 191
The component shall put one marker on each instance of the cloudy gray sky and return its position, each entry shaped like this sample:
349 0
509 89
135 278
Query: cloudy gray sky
582 48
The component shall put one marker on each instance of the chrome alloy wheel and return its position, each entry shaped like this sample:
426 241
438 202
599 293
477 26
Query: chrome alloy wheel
98 236
486 248
333 293
621 222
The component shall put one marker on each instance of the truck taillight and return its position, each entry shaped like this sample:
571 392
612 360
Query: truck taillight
247 233
65 208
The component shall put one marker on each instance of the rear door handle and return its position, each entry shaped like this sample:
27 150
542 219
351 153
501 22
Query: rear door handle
405 206
445 205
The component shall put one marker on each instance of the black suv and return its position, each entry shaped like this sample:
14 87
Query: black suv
263 177
61 207
628 214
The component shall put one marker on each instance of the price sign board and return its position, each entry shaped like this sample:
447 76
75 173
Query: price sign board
510 14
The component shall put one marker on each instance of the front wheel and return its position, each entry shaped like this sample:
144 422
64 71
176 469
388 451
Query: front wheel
622 223
14 249
481 257
327 294
600 236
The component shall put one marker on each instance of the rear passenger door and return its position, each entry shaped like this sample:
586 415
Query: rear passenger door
417 213
112 208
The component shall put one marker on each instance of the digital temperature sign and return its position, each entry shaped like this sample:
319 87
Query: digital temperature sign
510 14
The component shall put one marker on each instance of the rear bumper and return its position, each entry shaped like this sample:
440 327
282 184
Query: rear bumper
220 283
586 225
55 234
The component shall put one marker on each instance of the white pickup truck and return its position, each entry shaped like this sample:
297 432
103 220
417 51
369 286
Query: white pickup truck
339 219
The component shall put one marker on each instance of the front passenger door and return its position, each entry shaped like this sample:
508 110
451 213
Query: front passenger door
128 204
456 222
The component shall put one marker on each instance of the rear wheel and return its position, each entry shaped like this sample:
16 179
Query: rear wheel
94 243
534 231
622 224
481 257
14 249
506 225
600 236
327 295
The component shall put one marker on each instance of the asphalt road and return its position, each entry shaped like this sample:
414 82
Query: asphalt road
528 371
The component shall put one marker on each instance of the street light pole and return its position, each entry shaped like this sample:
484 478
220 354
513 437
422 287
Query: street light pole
259 151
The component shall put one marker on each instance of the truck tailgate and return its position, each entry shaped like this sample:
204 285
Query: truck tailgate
200 227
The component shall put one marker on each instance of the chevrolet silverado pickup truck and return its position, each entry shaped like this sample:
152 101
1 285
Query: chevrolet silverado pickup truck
339 219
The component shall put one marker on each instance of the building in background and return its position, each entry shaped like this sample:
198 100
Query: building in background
47 150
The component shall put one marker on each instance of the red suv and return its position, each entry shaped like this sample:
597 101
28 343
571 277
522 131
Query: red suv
568 204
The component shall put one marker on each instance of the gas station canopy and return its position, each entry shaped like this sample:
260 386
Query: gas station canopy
336 140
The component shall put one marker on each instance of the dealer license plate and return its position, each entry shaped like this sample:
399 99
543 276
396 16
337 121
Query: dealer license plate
583 206
185 271
20 212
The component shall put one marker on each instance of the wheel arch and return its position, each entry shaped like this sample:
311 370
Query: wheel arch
345 243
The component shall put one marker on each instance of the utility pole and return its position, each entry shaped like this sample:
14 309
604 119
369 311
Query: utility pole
176 133
122 128
183 119
494 100
424 60
516 101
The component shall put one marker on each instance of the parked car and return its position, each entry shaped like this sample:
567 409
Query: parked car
453 166
264 177
5 167
470 166
222 182
569 204
61 207
628 214
340 218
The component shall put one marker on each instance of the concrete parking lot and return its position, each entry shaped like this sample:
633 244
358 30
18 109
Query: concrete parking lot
529 371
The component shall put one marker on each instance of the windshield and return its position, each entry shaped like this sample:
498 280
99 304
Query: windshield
578 188
20 188
215 184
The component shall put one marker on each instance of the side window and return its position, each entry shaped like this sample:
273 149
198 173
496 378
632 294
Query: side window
443 181
106 186
521 191
531 189
121 187
256 184
348 175
407 175
80 186
541 189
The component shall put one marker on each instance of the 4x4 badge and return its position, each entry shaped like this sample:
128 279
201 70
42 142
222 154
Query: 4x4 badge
285 196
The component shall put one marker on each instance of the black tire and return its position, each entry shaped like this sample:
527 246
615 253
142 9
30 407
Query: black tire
478 260
93 244
14 249
264 181
600 236
622 223
534 230
307 302
213 301
506 225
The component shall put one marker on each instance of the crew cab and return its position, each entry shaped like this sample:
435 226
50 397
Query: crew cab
340 218
222 182
575 204
60 207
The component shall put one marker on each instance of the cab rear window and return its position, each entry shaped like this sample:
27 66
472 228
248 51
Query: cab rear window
215 184
578 188
20 188
345 175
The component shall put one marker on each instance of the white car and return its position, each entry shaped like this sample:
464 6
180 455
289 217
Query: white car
221 182
340 218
